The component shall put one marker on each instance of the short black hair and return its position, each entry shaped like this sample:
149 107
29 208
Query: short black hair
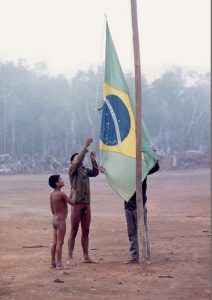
73 156
53 180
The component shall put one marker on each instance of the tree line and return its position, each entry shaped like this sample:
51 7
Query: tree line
42 115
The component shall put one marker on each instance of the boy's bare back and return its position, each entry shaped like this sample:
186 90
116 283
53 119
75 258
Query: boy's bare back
59 208
58 205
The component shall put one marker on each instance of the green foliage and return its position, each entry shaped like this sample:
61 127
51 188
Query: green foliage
176 111
42 115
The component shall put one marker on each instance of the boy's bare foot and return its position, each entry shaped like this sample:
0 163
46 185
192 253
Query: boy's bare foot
90 261
53 264
71 262
61 267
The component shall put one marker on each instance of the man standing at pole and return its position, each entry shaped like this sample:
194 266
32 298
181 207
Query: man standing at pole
81 211
131 218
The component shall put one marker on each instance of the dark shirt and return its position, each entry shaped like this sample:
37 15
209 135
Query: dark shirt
79 179
131 204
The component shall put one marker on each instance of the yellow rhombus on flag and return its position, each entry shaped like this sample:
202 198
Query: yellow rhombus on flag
117 136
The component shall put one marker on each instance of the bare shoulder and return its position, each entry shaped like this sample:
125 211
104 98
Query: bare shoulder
56 196
59 195
63 195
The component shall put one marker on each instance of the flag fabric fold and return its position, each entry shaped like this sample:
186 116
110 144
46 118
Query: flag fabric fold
117 136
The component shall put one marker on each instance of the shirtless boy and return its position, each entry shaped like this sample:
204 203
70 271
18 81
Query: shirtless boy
59 208
81 211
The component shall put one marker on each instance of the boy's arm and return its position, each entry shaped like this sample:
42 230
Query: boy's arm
75 166
67 199
80 158
95 171
51 204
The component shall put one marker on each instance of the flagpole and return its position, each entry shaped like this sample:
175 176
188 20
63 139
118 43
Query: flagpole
139 196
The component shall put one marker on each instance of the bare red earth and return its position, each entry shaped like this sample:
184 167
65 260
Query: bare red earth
179 228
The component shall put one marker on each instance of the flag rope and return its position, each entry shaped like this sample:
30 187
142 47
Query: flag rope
100 63
98 78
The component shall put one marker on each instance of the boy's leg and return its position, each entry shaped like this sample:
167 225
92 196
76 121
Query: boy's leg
131 218
61 231
53 248
75 220
85 225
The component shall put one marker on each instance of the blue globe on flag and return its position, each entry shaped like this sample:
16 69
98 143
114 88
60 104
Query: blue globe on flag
115 125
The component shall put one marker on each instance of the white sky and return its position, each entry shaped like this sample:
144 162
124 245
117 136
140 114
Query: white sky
67 34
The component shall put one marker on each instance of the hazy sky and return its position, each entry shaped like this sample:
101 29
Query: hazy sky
68 34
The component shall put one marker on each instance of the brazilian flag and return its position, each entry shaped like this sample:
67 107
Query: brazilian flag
117 136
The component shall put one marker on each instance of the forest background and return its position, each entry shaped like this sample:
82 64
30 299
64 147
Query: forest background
49 117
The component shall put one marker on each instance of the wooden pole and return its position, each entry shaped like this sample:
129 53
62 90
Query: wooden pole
139 196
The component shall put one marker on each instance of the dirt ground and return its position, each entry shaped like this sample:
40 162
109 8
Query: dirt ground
179 228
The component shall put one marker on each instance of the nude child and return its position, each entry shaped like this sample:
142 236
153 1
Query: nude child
59 208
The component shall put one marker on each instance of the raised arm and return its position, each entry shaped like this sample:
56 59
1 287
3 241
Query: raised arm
80 157
95 171
78 162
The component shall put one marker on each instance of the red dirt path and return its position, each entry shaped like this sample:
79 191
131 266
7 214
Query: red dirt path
179 228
